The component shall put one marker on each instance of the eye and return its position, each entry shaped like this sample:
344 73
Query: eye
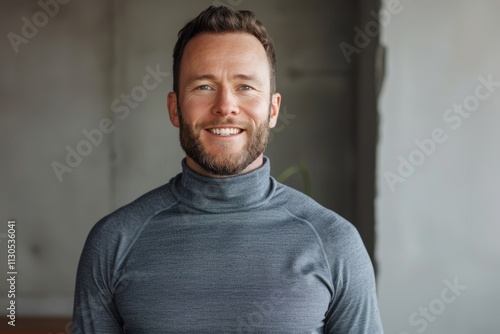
246 87
204 87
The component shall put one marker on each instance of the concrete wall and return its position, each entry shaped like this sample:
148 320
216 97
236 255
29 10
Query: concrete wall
438 225
55 86
68 78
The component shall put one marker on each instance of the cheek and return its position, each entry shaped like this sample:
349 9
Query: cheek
194 109
257 109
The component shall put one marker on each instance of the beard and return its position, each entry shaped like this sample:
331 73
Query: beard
223 162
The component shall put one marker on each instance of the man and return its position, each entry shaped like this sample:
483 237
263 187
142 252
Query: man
223 247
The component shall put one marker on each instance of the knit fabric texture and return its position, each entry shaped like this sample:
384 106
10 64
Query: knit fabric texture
242 254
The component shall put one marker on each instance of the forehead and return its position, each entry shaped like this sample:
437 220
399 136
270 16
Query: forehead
235 51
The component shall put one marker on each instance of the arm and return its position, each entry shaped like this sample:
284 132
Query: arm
353 308
94 309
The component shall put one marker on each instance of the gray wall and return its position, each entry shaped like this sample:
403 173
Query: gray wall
442 223
65 80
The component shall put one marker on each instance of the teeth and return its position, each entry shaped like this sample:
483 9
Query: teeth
225 131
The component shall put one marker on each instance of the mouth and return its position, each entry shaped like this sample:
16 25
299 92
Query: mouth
225 132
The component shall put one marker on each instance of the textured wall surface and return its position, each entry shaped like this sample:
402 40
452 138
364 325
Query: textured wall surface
57 85
82 73
438 223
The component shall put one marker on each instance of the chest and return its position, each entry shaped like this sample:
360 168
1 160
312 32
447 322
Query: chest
245 277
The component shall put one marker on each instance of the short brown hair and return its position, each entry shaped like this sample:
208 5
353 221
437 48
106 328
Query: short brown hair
220 20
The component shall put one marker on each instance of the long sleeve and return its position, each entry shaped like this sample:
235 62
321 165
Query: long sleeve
204 255
353 308
94 308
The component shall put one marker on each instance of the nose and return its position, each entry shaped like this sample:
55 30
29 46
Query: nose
226 103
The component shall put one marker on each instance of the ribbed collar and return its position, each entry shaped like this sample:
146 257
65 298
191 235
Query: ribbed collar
239 193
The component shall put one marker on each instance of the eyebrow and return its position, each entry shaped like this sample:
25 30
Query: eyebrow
246 77
194 78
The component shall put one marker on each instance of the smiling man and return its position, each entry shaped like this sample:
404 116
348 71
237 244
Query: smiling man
223 247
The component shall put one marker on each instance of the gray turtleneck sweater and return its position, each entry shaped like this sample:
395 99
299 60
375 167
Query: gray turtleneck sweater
243 254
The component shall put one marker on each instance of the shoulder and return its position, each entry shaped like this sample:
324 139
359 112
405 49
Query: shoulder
304 207
118 229
339 237
112 237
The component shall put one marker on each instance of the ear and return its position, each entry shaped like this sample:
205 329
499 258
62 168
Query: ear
275 109
172 109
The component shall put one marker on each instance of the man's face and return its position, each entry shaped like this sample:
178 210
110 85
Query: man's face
224 108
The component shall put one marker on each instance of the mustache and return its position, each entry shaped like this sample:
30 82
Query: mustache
223 121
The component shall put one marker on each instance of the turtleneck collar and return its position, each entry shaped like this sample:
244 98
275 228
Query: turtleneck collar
243 192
